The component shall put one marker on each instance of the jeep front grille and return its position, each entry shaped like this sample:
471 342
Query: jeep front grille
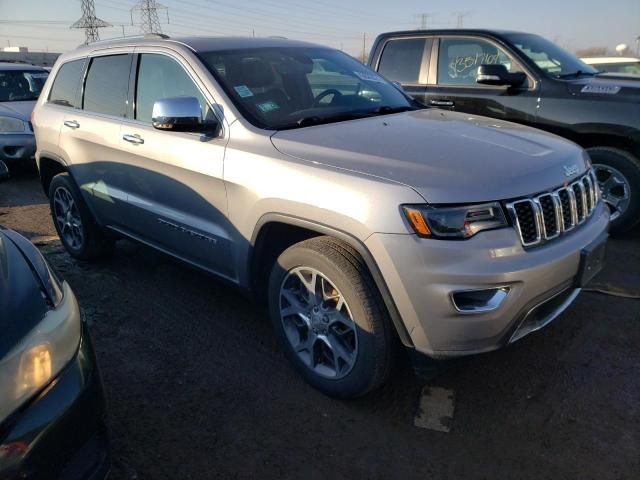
547 216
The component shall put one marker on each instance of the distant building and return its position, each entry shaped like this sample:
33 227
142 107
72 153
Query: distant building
23 55
15 49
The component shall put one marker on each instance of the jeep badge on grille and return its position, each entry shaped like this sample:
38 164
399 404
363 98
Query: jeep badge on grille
570 170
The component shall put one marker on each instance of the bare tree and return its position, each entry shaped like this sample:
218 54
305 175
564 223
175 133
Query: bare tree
592 52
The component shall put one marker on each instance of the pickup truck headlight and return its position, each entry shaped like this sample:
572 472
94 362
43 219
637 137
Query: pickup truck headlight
42 354
454 222
11 125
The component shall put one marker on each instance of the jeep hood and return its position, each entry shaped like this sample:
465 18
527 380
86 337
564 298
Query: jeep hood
446 157
21 109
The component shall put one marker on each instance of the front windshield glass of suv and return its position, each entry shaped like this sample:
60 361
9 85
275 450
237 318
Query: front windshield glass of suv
549 57
17 85
292 87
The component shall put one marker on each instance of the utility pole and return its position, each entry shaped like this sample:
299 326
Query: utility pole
364 47
460 18
424 19
148 11
89 22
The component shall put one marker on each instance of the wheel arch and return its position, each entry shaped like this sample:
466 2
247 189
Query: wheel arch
587 140
275 232
49 166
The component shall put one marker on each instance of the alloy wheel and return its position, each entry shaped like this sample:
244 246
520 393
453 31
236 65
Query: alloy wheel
318 323
614 188
67 218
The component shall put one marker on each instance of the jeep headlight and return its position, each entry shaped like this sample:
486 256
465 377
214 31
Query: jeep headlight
11 125
41 354
457 222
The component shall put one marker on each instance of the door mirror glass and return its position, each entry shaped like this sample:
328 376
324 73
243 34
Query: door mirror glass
497 74
181 114
4 171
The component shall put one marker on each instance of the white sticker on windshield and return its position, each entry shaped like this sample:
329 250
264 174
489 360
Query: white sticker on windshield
267 107
243 91
369 77
39 75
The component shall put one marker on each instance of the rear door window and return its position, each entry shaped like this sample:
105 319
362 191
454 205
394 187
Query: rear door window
65 86
107 85
401 60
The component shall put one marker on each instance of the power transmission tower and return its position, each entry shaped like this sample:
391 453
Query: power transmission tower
148 11
424 19
460 16
90 22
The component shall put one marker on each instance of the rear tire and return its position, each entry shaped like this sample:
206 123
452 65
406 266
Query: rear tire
76 227
618 174
330 319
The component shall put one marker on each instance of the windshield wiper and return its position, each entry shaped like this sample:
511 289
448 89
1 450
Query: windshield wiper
386 109
340 117
577 73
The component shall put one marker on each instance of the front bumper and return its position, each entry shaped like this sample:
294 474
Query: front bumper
17 147
60 434
422 274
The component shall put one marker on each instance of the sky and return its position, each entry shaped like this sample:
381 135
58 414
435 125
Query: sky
349 25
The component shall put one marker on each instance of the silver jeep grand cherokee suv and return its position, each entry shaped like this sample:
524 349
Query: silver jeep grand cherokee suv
294 171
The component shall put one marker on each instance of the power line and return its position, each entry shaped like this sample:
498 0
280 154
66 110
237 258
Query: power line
89 22
424 19
460 18
148 11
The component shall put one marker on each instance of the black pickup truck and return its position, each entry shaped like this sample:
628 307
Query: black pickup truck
527 79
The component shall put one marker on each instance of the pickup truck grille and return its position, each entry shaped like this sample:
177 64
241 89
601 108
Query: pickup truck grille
547 216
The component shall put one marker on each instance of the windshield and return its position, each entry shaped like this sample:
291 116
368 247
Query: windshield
549 57
292 87
16 85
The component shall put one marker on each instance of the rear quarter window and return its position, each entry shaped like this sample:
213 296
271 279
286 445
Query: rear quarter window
401 60
65 86
107 85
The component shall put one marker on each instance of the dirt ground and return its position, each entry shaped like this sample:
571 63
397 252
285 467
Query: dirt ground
197 388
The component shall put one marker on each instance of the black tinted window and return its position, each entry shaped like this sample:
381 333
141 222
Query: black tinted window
65 86
161 77
106 88
401 60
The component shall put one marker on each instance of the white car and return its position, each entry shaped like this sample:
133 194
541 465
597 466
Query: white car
630 65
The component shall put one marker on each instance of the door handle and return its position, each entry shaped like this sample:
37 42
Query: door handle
137 139
71 124
441 103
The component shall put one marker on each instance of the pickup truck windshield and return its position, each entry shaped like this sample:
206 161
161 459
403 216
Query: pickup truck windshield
17 85
549 57
293 87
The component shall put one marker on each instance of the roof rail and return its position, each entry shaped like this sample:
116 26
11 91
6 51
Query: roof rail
147 36
156 36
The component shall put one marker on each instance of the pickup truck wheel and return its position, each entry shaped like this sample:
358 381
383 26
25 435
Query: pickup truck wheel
329 317
79 234
618 174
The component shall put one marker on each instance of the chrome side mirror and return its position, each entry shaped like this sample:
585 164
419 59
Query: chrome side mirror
181 114
4 171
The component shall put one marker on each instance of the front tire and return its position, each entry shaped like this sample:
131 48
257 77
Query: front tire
78 232
618 174
330 319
